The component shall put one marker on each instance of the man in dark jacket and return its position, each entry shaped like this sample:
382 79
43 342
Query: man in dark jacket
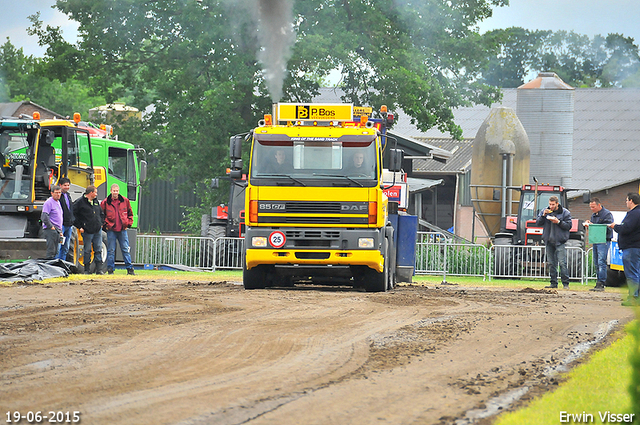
67 217
556 222
118 217
88 221
600 215
629 244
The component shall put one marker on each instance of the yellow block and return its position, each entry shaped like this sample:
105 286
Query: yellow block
315 112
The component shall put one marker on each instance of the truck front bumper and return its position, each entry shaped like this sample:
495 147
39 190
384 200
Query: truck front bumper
315 246
370 258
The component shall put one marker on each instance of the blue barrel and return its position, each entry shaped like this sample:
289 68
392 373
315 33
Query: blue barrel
406 231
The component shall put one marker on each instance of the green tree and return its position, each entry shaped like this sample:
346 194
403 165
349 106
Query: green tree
610 61
516 50
195 62
25 78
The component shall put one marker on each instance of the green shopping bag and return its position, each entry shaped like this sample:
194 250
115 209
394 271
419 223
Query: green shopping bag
597 233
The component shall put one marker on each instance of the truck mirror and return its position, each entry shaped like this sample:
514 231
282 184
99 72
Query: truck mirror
215 183
235 147
396 159
235 174
586 197
143 170
236 164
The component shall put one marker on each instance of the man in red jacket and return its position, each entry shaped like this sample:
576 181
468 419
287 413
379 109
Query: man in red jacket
118 217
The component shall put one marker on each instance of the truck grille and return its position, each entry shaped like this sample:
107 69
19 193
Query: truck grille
311 234
307 207
313 220
313 207
312 255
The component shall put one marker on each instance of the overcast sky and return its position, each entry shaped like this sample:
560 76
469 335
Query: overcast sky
588 17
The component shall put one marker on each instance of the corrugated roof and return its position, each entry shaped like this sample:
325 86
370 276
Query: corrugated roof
334 95
606 137
8 109
418 185
460 161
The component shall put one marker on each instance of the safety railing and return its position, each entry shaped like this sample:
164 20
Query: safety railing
190 251
509 261
589 266
227 253
436 254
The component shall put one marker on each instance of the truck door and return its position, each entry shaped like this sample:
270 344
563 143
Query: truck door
76 159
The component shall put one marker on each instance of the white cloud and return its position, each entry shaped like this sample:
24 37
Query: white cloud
16 22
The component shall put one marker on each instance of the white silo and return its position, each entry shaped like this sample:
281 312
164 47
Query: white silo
545 107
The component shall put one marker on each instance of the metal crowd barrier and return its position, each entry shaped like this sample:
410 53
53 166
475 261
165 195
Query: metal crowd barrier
435 254
508 261
190 251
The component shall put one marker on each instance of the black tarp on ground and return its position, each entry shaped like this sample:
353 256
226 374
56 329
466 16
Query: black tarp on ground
36 270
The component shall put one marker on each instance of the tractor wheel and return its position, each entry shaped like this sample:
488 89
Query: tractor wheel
504 258
80 254
211 257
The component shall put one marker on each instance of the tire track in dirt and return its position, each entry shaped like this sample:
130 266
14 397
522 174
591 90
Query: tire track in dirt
199 353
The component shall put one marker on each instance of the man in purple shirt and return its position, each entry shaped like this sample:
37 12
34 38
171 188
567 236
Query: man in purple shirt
52 222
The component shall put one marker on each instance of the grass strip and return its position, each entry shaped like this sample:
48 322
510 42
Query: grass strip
593 388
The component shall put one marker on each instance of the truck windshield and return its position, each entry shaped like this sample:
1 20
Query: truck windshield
15 164
353 162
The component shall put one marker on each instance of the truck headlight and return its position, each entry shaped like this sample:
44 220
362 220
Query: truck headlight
365 242
259 241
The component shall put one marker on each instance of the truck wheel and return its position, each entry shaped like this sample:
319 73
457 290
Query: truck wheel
392 266
574 258
504 258
256 278
378 282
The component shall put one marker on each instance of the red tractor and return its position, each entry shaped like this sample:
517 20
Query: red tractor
522 230
224 226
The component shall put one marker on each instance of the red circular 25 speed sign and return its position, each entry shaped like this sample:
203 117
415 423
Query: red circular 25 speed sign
277 239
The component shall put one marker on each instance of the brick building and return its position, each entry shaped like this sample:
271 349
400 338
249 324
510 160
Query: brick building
27 108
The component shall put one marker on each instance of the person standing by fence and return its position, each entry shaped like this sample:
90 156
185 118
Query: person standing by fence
118 217
67 217
556 225
89 218
600 215
629 244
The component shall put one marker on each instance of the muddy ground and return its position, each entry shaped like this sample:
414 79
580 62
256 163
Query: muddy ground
133 351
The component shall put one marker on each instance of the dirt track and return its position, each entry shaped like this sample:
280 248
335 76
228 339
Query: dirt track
178 352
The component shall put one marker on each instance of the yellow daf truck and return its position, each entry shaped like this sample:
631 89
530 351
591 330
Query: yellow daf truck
315 210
